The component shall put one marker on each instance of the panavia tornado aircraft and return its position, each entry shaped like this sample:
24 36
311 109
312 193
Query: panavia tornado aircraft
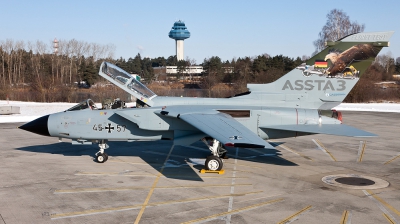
289 107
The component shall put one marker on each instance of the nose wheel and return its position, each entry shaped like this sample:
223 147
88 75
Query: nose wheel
101 156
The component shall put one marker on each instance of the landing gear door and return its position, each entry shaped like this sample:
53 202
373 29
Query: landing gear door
127 82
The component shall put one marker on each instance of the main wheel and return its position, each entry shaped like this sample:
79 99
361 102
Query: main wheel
213 163
105 157
101 157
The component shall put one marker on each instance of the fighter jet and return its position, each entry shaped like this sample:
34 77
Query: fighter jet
289 107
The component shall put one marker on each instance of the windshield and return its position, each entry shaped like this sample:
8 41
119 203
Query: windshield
84 105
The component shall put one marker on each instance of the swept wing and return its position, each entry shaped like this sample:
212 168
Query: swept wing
220 126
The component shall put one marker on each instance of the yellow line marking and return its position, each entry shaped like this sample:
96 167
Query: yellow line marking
82 190
294 215
233 211
391 160
135 163
389 219
324 148
152 175
362 151
383 202
202 177
253 199
295 152
260 167
152 188
91 212
345 216
379 204
113 174
131 207
205 198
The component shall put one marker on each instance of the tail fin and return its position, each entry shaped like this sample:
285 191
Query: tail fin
325 79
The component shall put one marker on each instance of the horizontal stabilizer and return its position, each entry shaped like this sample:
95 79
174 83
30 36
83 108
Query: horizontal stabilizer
328 129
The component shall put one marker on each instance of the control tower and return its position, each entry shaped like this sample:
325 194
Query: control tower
179 32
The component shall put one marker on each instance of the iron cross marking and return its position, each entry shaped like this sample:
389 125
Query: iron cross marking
109 128
235 137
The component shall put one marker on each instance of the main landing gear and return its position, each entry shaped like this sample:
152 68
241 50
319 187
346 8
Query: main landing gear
101 156
215 161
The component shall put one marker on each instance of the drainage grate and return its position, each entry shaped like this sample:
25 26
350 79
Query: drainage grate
355 181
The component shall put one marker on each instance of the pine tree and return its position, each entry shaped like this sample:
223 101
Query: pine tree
90 73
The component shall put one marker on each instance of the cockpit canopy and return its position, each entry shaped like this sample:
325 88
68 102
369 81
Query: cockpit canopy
126 82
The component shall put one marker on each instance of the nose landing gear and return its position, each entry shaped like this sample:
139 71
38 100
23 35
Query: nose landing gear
101 156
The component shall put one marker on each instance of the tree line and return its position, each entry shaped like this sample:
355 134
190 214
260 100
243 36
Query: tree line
33 71
31 68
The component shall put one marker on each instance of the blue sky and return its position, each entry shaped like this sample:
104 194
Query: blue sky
218 28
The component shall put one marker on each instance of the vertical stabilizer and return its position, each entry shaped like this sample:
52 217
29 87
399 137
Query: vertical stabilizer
323 81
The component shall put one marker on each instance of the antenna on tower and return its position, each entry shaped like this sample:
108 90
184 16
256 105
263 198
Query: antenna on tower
55 46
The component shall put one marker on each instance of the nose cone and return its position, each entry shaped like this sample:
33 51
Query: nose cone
38 126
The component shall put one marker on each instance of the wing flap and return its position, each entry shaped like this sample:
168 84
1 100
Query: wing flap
328 129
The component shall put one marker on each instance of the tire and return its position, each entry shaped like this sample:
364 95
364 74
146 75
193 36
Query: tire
105 157
101 158
213 163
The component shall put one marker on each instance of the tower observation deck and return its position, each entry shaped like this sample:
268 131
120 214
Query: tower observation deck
179 32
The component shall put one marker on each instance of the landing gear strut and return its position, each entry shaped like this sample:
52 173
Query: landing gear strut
101 156
215 161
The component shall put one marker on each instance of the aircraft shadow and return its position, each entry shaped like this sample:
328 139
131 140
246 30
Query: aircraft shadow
155 154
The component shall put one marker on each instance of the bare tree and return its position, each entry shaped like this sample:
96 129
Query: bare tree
266 55
3 54
385 60
110 51
94 51
8 48
19 45
305 57
102 51
338 25
40 50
